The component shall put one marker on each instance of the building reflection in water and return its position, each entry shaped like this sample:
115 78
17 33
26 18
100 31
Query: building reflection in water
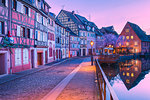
133 71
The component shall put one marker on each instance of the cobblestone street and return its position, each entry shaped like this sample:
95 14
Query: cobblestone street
37 85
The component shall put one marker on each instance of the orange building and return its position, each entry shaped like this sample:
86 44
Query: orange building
134 38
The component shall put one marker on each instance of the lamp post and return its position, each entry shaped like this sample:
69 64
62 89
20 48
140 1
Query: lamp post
92 43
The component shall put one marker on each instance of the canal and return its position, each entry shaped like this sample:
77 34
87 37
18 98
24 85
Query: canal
130 79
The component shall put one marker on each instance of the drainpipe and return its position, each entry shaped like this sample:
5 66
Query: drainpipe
9 29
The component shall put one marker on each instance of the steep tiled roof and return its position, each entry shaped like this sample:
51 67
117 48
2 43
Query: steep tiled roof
140 33
72 16
82 19
59 23
70 32
148 37
109 29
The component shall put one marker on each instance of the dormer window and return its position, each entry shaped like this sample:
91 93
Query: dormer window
88 28
79 26
93 29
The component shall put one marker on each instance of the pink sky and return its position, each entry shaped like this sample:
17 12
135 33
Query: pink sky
108 12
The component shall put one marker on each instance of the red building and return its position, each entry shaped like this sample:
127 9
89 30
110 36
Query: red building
134 39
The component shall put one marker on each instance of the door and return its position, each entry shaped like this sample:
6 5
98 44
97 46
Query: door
84 52
32 58
2 64
54 54
90 51
39 59
59 54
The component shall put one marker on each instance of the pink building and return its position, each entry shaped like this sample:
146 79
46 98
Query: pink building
74 45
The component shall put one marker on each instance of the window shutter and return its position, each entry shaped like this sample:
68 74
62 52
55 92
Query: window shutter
16 57
19 56
6 3
24 56
36 34
31 33
18 30
37 17
29 12
19 6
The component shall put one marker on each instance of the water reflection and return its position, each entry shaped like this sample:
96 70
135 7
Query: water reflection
131 72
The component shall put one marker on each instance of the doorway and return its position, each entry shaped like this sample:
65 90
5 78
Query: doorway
84 52
46 58
3 63
32 58
39 59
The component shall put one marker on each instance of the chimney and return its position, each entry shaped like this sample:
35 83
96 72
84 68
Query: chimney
72 12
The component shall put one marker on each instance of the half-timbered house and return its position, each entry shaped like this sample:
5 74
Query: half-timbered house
70 20
51 37
41 32
74 44
4 28
57 40
22 25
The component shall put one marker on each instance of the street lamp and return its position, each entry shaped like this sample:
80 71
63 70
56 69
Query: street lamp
92 43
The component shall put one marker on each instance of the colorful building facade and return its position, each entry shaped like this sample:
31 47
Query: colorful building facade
134 39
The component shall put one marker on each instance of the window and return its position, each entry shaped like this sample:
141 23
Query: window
20 7
26 10
131 37
23 32
2 2
135 43
17 56
18 30
14 5
123 37
48 21
127 81
1 27
132 74
127 37
28 33
36 34
127 43
25 56
52 23
127 30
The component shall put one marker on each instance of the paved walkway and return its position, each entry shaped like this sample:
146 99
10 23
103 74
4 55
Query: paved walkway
73 79
82 84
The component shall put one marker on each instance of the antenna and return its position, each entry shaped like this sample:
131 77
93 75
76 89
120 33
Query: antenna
77 11
63 6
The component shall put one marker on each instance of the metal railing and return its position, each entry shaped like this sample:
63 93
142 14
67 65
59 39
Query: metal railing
103 84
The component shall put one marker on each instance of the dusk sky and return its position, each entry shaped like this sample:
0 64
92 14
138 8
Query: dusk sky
108 12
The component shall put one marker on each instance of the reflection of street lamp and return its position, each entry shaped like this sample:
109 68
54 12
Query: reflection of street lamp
92 43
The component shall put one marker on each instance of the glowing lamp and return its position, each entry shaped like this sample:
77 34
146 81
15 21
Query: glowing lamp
91 43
